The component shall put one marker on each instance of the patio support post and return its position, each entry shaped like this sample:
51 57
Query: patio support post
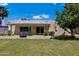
13 29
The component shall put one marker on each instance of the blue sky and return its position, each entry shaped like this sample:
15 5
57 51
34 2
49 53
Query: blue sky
43 11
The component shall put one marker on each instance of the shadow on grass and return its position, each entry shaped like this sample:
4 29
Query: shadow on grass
65 37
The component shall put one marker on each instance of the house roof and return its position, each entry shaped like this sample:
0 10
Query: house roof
29 22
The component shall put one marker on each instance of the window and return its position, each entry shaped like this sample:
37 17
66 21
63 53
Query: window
24 29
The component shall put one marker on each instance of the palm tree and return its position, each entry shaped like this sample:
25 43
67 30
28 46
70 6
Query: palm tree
3 13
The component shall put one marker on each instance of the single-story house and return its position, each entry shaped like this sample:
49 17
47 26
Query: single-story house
32 26
3 27
3 30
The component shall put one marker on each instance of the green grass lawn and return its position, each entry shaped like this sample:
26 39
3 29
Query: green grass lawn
39 47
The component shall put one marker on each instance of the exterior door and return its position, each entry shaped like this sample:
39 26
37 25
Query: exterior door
39 30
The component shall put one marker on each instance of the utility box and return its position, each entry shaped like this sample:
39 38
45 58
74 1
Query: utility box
23 34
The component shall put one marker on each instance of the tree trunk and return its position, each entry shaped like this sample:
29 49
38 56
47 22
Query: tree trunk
72 33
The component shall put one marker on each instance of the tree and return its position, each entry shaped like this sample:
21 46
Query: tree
69 18
3 13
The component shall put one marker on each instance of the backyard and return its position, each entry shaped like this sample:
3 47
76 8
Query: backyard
39 47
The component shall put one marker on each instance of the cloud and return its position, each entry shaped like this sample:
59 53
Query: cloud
3 4
54 3
37 17
43 16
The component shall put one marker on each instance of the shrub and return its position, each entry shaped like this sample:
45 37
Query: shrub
51 34
9 32
46 33
30 33
65 37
